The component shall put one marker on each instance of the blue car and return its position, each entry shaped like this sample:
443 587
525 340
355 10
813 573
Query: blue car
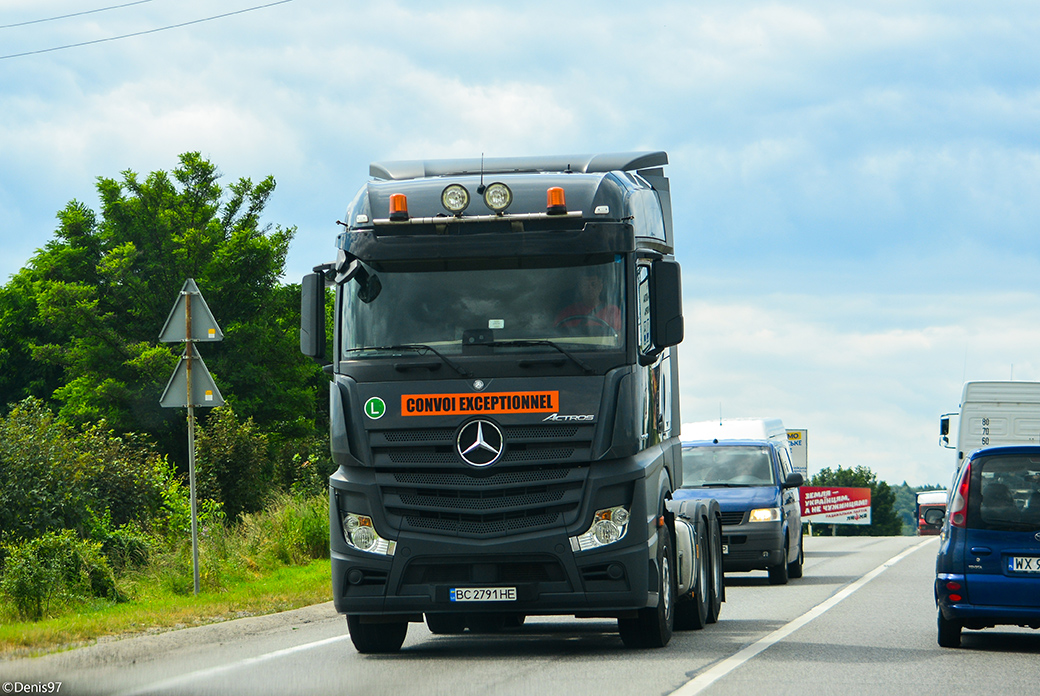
987 572
758 495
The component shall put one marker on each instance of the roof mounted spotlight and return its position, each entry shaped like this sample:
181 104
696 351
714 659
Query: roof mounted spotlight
497 197
555 201
455 198
398 207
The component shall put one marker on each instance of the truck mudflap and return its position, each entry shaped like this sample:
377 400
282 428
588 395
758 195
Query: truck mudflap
698 561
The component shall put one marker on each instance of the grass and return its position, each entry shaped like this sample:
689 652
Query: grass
285 588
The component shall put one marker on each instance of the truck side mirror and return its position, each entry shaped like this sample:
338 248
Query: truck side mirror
312 316
944 431
666 319
934 516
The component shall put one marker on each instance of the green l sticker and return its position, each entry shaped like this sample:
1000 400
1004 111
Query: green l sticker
375 408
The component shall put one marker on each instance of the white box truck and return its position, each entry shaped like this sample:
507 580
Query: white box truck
993 413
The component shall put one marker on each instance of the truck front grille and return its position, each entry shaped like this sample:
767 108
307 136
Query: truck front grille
472 505
524 445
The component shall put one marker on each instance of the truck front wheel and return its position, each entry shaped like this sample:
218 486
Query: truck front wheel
376 637
652 628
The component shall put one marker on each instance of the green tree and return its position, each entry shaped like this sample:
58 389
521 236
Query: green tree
81 321
883 519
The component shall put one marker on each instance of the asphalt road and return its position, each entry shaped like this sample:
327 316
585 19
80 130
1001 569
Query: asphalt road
856 623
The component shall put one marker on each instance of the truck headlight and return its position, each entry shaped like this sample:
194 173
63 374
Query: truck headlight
764 515
608 526
359 533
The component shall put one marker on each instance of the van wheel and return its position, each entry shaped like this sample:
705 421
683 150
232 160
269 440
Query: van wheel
652 627
376 637
794 570
949 632
778 573
691 612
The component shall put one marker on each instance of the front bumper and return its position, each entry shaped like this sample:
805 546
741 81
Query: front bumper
549 578
752 546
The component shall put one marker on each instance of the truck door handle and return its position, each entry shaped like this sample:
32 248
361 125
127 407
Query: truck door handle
980 551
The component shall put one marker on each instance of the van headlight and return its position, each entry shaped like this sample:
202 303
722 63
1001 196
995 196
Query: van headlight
764 515
608 526
360 533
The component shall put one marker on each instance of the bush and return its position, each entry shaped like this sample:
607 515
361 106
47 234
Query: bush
232 466
52 476
57 566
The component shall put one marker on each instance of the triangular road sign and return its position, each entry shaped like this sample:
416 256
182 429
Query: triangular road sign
204 390
203 325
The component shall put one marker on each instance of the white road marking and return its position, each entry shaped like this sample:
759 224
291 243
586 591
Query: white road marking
703 681
203 674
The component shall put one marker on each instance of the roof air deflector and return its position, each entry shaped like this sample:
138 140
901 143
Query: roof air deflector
582 164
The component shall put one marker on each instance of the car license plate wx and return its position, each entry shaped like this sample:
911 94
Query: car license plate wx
1024 564
482 594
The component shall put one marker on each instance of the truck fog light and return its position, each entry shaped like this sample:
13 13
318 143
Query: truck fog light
764 515
455 198
608 526
497 196
359 533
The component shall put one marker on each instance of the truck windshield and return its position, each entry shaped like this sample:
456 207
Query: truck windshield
459 310
726 466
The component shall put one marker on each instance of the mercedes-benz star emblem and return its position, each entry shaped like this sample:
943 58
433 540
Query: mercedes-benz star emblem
479 443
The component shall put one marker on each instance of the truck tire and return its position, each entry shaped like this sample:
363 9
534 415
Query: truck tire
652 627
778 573
691 611
369 638
446 624
716 576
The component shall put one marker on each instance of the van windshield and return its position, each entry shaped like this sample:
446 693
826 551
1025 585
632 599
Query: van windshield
1005 493
727 466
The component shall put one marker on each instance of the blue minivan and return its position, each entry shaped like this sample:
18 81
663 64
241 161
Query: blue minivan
987 571
757 492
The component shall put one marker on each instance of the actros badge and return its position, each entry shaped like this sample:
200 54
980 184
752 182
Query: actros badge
479 443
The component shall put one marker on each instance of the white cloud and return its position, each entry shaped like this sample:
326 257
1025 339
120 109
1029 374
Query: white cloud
867 375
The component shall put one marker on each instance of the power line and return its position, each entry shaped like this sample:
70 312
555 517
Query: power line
148 31
74 14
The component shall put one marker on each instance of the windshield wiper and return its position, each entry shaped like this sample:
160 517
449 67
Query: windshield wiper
419 348
720 484
541 342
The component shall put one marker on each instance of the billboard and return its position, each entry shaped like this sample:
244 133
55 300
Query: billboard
798 442
835 504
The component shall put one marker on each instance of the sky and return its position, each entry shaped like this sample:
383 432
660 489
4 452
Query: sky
856 186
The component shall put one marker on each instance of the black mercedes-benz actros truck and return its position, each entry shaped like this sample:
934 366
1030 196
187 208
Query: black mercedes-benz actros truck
504 403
